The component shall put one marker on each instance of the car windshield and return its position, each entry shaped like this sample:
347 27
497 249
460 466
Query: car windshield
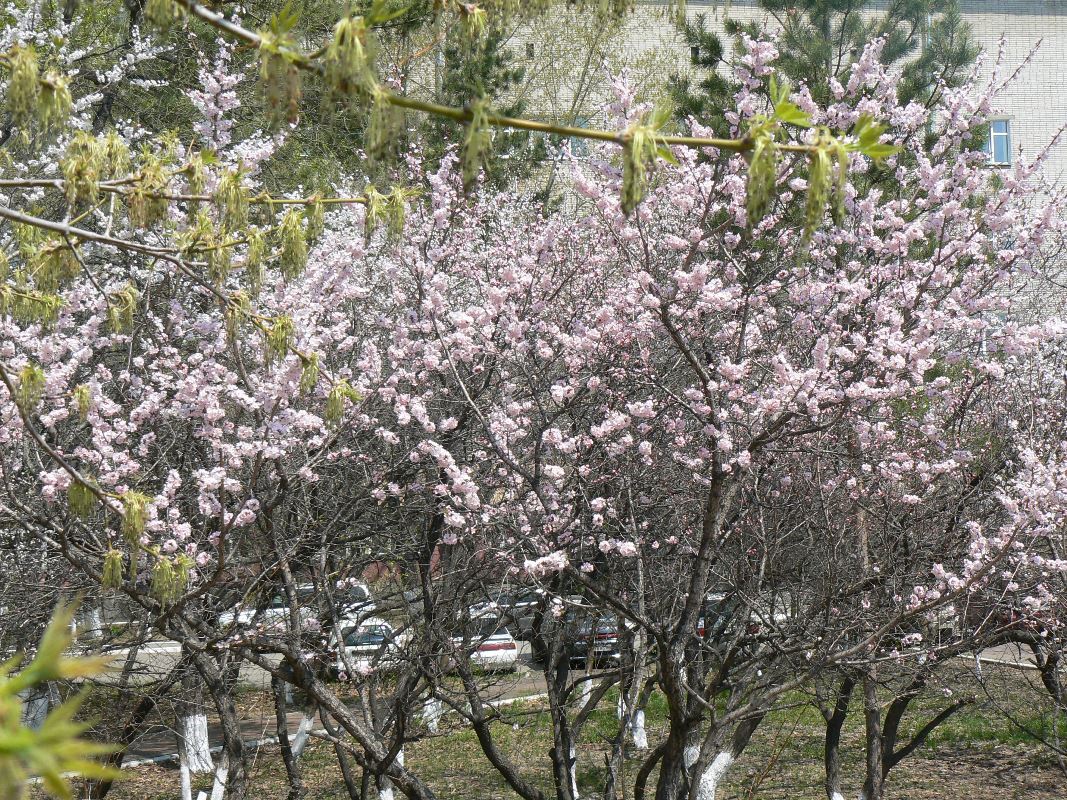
583 622
303 595
486 627
368 636
358 594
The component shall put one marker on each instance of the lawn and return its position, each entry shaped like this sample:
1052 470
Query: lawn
979 753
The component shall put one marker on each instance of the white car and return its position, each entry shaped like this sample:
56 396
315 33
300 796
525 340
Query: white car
489 645
276 614
371 646
355 603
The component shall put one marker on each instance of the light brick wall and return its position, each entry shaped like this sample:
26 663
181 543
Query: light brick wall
1035 102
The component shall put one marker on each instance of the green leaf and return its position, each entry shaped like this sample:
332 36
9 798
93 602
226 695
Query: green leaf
664 152
791 114
880 151
381 12
285 20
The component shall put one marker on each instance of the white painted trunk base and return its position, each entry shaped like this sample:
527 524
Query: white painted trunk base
713 775
193 745
637 725
303 731
218 789
574 773
385 790
432 712
96 623
187 780
35 708
637 729
585 691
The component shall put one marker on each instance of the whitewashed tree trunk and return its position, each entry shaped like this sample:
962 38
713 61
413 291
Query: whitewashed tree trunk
303 732
92 623
574 769
713 775
637 723
385 789
218 788
585 691
35 706
186 777
637 729
432 712
193 744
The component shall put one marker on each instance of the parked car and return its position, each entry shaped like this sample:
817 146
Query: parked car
372 645
591 636
276 613
355 602
489 645
720 610
770 611
516 608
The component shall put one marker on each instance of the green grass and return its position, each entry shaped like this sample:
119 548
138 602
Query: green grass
972 751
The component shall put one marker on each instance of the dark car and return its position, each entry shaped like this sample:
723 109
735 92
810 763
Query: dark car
355 602
516 608
591 637
720 610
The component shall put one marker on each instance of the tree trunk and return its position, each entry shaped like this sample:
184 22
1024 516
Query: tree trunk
872 714
832 743
194 749
222 775
385 786
432 711
281 719
36 704
231 776
671 784
557 671
706 778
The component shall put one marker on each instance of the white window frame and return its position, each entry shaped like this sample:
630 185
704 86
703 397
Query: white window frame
991 141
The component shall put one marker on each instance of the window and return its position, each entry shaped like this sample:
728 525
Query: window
999 146
529 50
368 636
580 146
694 54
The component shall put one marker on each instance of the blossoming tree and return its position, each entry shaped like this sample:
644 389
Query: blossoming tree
778 403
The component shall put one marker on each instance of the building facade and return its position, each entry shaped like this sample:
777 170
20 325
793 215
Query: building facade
1031 34
1031 109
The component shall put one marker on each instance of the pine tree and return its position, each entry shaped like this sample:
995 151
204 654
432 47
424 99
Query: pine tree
820 39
